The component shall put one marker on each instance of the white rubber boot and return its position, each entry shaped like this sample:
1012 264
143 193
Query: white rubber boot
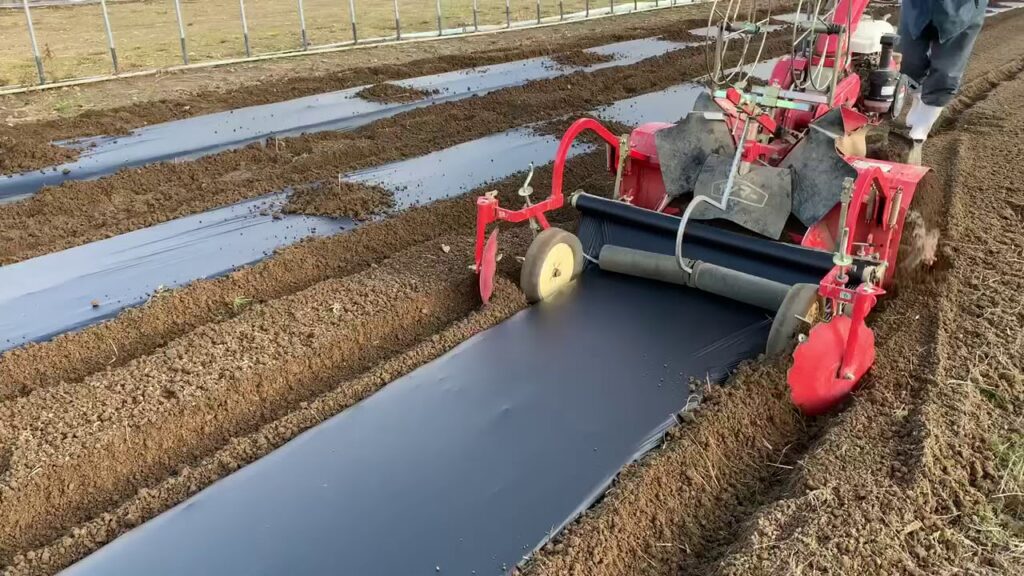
921 118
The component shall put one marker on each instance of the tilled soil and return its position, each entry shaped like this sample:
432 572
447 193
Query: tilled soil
133 435
921 473
78 212
105 428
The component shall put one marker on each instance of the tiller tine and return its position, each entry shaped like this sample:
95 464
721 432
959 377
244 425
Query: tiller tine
488 266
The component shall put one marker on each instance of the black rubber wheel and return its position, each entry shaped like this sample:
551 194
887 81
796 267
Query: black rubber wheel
798 311
554 259
899 98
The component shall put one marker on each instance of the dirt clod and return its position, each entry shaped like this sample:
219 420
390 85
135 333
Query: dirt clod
388 93
340 199
580 58
19 154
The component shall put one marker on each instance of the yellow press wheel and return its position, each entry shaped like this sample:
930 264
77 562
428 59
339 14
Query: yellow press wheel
553 260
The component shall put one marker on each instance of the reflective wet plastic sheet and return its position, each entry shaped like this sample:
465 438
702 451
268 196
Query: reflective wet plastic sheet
66 290
199 136
122 271
463 167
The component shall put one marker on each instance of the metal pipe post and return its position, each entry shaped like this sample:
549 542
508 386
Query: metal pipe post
181 32
586 8
352 12
476 20
561 10
398 23
110 35
302 27
440 28
245 28
538 11
634 5
35 45
508 14
612 4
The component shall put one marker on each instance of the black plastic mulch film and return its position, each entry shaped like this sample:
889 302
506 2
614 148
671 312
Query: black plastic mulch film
474 460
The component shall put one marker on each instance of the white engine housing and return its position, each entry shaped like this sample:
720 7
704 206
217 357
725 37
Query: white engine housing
868 38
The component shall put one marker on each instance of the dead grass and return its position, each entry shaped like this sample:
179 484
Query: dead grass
1008 520
73 43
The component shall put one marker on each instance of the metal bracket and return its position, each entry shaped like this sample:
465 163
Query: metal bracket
525 191
620 166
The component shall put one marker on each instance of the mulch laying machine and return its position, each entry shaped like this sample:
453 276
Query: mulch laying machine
770 171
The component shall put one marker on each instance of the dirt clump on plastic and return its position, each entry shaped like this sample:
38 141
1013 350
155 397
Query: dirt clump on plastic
82 211
580 58
388 93
341 199
683 34
20 154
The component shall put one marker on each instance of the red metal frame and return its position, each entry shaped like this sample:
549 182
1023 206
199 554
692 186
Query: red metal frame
489 211
880 189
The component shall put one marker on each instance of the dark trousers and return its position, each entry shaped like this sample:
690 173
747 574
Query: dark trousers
937 66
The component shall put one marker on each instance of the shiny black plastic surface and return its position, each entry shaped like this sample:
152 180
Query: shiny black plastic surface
200 136
471 461
474 460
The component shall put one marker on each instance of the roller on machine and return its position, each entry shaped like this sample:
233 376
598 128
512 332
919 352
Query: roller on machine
774 174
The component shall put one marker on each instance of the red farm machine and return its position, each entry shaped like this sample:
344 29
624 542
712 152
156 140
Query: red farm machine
775 169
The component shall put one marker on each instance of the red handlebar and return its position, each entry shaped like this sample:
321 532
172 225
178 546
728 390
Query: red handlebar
488 211
577 128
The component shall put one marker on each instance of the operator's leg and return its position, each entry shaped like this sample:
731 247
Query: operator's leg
948 63
916 64
915 61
